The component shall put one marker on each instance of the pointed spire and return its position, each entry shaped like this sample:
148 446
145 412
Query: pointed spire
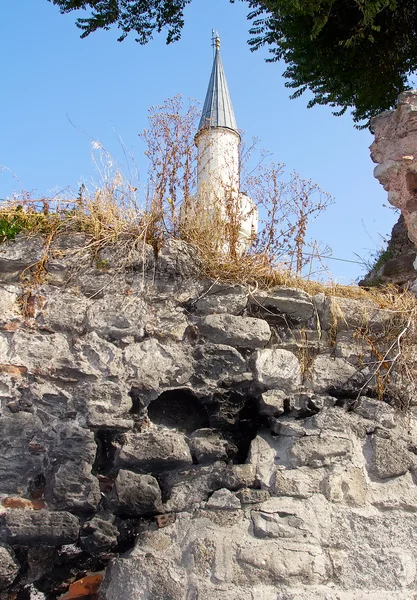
218 109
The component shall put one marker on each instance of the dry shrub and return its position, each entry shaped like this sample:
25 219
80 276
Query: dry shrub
394 347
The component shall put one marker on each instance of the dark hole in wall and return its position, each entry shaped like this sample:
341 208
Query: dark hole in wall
178 409
37 486
411 181
236 415
104 459
138 406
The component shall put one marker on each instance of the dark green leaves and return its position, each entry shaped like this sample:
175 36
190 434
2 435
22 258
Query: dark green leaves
141 16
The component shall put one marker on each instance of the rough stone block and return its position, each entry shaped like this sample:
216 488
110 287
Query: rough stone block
271 403
73 487
223 499
222 299
297 483
99 534
9 567
398 494
269 562
65 311
207 446
346 486
135 495
378 411
291 302
369 569
389 458
245 332
330 373
41 352
8 303
153 365
18 254
97 357
316 451
117 316
217 362
24 448
153 451
278 369
29 527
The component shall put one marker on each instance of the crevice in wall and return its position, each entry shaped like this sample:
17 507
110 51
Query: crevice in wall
178 409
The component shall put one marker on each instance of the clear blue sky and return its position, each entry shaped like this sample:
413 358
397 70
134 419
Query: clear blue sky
106 87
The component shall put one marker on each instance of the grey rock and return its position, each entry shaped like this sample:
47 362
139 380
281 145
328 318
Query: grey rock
222 299
346 486
99 534
9 308
140 579
41 353
217 362
97 357
30 527
223 499
166 321
316 451
283 525
104 405
352 347
271 403
71 442
117 316
207 446
330 373
266 564
176 263
252 496
302 482
381 568
18 254
135 494
398 493
9 567
278 369
22 456
153 450
192 486
244 332
341 314
291 302
376 410
262 457
65 311
73 487
153 365
389 458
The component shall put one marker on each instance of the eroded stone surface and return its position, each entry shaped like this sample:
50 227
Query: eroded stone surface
253 465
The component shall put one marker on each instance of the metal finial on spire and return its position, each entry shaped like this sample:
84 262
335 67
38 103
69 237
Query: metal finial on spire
215 39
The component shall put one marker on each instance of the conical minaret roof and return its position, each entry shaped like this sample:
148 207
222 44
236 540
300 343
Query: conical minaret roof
218 109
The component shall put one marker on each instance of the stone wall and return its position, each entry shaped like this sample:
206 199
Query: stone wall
395 151
194 440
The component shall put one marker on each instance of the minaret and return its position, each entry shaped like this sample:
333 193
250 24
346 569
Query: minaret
217 141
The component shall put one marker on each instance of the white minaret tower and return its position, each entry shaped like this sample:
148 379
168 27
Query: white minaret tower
217 141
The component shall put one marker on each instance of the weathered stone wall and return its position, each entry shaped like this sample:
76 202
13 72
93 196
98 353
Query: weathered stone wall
395 151
193 439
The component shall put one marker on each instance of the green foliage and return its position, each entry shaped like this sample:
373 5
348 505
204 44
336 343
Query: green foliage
383 257
11 225
141 16
349 53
